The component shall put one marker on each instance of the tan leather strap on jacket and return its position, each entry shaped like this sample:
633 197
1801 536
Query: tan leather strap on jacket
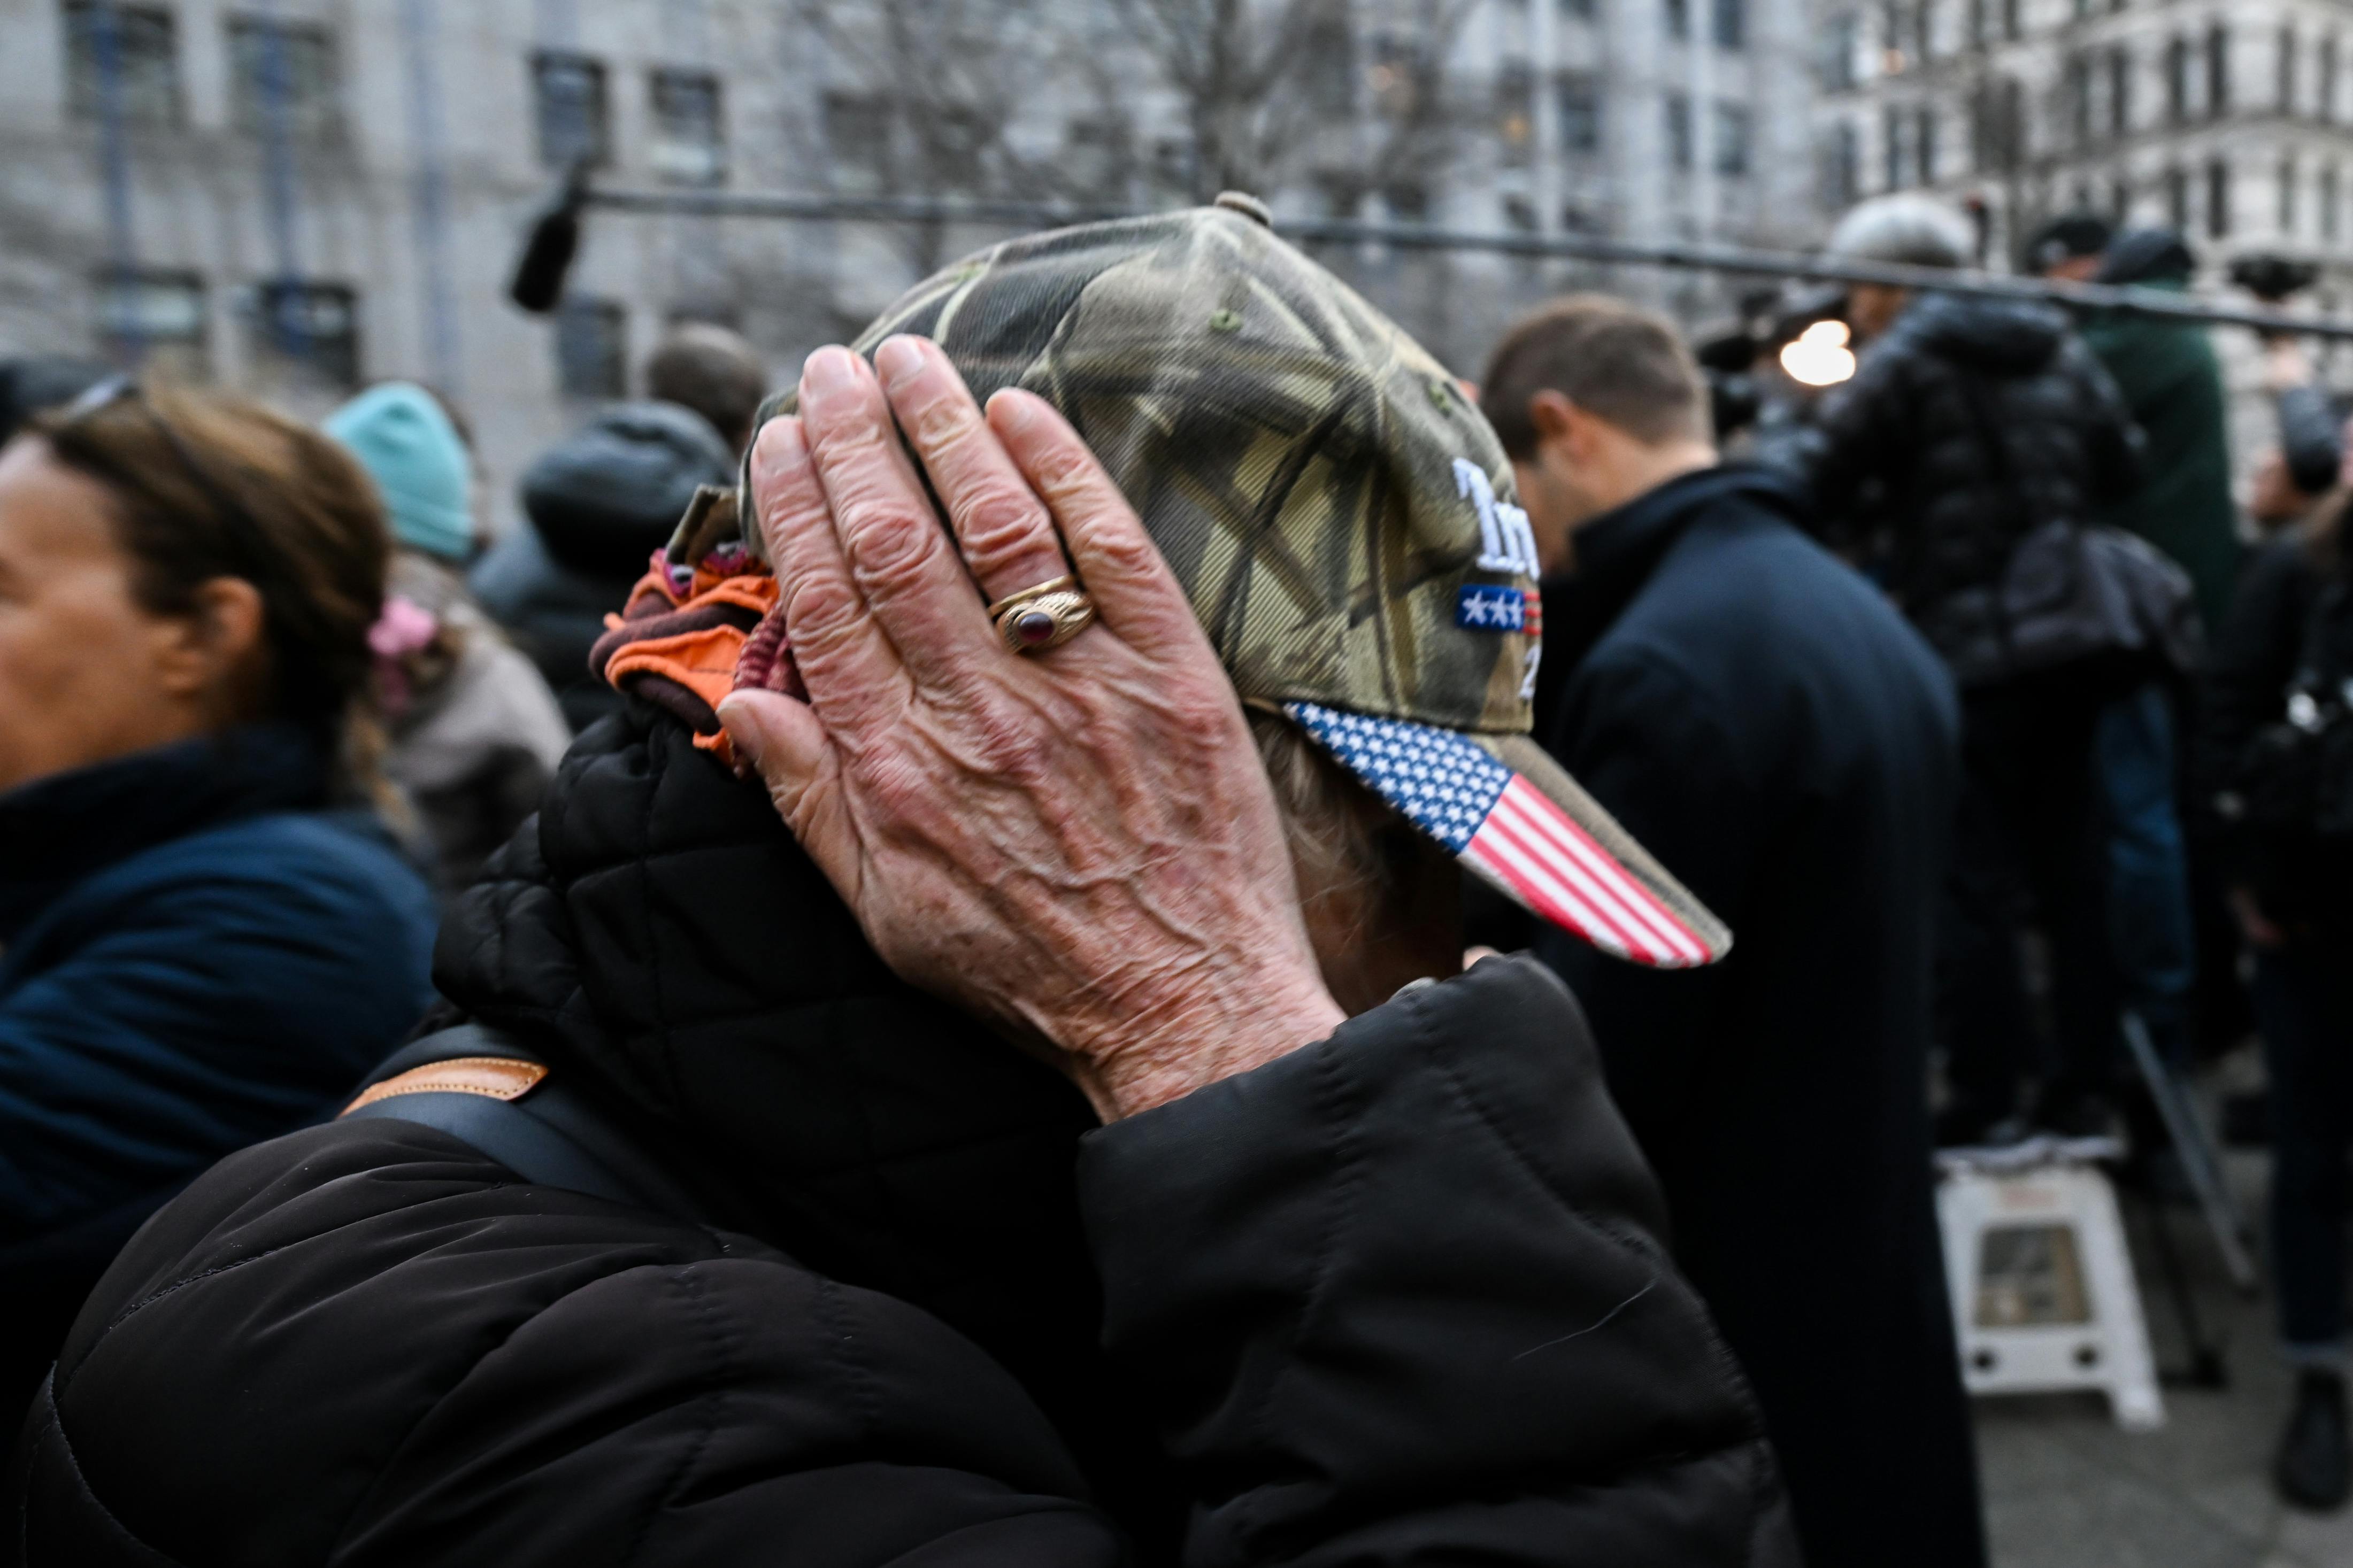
493 1077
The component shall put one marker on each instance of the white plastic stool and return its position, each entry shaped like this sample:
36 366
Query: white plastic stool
2044 1297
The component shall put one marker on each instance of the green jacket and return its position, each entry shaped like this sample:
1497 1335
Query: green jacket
2173 385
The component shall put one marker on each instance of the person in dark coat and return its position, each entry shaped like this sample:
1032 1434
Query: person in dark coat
1969 424
599 504
1385 1288
1758 716
2289 870
199 947
2167 374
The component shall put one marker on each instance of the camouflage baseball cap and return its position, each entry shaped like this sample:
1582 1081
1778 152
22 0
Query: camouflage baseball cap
1341 516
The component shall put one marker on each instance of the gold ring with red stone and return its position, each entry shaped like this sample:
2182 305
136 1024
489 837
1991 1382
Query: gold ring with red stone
1047 616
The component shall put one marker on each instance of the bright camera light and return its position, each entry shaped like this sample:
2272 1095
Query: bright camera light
1819 355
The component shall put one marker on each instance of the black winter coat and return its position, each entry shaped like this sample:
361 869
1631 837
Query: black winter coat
1968 425
1759 719
1397 1297
2260 648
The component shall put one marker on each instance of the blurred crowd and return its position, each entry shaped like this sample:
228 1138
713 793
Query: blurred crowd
1965 692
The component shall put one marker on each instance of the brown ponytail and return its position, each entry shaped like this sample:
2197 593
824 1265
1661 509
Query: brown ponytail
208 485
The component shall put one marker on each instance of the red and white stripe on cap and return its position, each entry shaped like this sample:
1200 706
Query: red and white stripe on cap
1532 848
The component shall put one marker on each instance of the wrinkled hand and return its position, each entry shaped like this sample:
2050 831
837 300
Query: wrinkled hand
1081 844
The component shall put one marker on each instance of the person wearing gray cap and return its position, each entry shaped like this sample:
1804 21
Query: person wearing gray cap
1972 424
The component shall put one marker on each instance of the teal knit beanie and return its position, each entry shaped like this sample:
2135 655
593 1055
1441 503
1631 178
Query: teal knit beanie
404 441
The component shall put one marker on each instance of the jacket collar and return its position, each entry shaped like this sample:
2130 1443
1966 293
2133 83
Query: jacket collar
56 830
1617 552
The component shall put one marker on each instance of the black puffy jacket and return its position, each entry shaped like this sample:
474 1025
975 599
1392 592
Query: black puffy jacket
1398 1297
600 502
1969 424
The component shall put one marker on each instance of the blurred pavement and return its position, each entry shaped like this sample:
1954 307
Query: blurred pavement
2065 1488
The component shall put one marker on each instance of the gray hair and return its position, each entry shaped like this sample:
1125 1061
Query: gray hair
1905 228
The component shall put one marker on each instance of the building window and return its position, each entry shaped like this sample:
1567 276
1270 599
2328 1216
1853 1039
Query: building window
157 317
2287 69
2218 71
1924 143
1977 23
124 55
2013 24
2287 173
1732 136
2119 90
1678 18
592 349
1408 201
282 77
2218 199
2119 201
1924 30
568 98
690 145
1579 10
2176 198
1678 132
2326 106
1730 23
2328 202
1846 164
2079 98
1515 110
2177 80
858 140
1328 69
1578 102
1839 44
311 329
1891 146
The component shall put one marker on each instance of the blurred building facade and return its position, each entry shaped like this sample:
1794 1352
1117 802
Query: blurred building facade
298 197
2233 123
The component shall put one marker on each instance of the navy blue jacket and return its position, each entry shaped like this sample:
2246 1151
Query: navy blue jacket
194 957
1764 721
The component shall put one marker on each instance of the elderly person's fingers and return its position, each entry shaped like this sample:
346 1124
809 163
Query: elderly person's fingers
841 652
1003 529
1133 591
902 561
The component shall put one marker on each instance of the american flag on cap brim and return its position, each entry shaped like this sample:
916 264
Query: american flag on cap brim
1514 836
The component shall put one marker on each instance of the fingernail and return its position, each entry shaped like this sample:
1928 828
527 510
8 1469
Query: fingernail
828 372
1011 412
898 358
741 720
781 449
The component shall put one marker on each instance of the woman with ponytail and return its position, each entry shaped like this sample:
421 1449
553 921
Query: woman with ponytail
206 932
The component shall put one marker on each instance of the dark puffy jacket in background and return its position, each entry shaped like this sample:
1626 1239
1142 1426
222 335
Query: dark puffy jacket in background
2260 648
2172 386
1904 473
600 502
1397 1298
196 957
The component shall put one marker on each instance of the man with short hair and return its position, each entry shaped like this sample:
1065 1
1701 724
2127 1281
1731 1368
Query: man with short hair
1759 717
714 371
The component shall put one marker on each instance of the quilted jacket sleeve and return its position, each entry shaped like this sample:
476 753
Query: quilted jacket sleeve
1399 1297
